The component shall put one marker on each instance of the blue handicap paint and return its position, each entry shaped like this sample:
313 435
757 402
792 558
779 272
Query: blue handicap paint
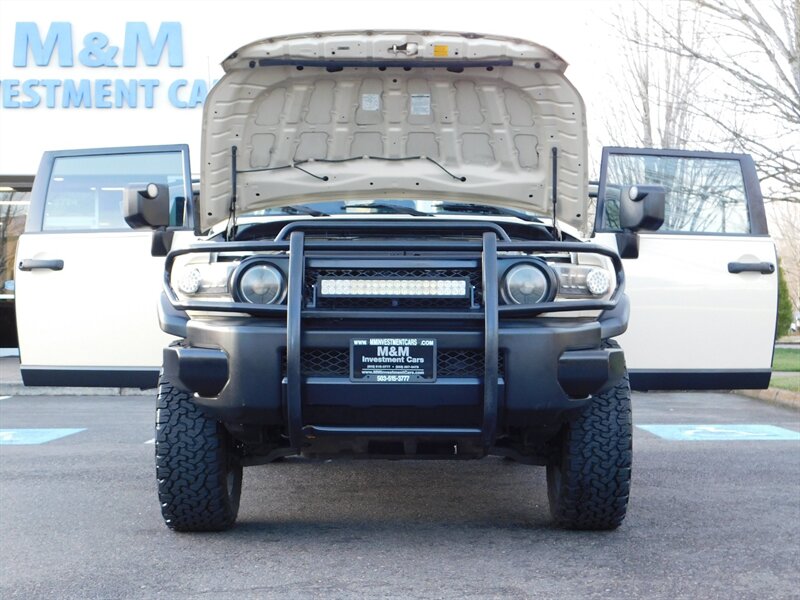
23 437
722 432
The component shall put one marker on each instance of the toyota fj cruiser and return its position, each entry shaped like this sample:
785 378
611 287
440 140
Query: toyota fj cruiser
392 266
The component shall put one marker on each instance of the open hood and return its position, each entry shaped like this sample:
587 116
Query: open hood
393 114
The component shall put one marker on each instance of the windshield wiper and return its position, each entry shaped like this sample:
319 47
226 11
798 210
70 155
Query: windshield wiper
303 210
474 208
391 208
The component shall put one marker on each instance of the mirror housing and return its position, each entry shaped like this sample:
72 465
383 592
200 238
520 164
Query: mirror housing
161 242
146 208
642 207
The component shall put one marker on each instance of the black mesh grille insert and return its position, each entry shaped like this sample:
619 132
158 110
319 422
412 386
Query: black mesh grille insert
335 362
324 361
313 275
461 363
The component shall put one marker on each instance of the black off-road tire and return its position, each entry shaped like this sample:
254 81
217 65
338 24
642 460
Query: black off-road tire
199 474
588 483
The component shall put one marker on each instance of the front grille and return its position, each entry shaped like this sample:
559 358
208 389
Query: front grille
324 361
463 363
335 362
313 274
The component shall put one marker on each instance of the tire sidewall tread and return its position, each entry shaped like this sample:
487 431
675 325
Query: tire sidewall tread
198 473
589 482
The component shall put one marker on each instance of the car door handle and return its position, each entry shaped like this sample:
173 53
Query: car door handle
765 268
29 264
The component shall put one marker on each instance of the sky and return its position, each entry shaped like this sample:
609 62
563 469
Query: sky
573 29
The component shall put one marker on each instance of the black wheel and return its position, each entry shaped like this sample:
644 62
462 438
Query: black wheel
589 481
199 474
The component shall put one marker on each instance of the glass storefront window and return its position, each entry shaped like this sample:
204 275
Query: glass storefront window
13 211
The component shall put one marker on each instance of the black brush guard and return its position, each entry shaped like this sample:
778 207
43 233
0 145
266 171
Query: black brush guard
494 240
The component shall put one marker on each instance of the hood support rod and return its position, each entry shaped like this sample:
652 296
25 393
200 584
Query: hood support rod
232 215
554 153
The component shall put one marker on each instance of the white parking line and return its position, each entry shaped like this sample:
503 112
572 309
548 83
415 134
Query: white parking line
4 397
151 441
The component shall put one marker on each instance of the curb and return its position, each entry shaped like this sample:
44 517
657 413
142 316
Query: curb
17 389
775 396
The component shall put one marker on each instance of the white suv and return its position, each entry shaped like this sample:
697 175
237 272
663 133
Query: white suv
385 260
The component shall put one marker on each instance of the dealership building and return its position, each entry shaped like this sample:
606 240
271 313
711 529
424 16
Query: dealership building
93 82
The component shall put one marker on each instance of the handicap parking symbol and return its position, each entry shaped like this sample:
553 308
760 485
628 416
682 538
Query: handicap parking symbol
25 437
722 432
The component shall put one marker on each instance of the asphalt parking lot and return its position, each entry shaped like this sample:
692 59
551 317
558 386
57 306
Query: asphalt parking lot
708 519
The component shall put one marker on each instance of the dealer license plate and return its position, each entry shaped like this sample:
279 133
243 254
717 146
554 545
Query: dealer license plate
393 359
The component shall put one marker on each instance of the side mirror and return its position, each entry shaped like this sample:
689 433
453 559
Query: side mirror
147 208
642 207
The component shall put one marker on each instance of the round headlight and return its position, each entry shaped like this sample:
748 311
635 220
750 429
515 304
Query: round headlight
525 284
261 284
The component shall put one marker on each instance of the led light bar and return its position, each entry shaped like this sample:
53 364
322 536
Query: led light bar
342 287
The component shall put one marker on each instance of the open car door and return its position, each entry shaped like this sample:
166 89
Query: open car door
704 287
87 286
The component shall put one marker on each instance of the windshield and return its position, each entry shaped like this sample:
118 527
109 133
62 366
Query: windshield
416 208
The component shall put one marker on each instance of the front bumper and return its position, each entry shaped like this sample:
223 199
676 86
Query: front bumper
238 369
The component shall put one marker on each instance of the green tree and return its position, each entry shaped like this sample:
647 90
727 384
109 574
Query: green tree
784 305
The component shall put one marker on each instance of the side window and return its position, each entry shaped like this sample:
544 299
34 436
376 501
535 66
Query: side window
704 195
86 192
